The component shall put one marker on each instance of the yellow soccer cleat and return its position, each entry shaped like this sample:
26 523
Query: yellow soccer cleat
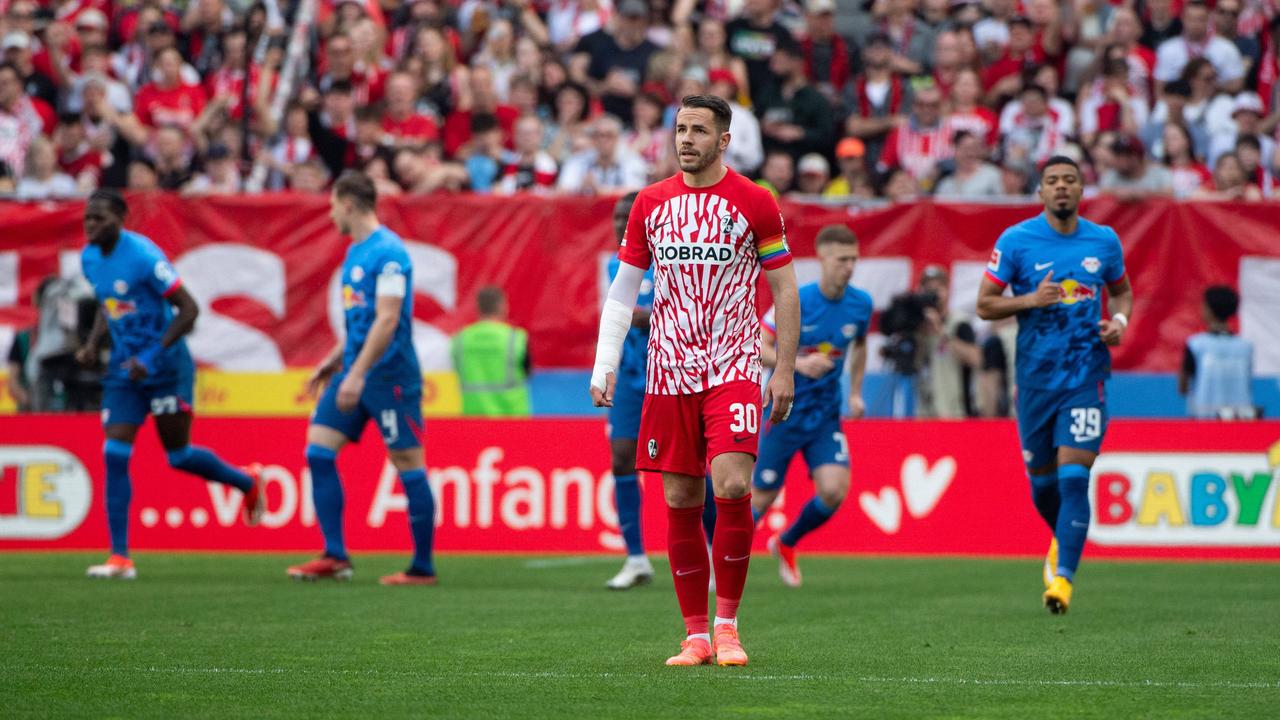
1051 563
694 651
1058 597
728 648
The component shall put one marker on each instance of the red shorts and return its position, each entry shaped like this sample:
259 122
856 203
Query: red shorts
681 433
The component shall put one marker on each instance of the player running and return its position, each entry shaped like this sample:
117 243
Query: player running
1058 264
624 424
150 368
709 230
833 321
372 375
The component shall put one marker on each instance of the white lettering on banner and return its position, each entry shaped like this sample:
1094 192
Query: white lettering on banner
226 503
282 514
532 496
387 497
222 270
458 479
609 539
560 482
1259 321
1187 499
51 488
308 505
435 274
486 476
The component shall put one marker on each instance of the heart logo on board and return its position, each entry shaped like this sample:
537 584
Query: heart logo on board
923 485
884 509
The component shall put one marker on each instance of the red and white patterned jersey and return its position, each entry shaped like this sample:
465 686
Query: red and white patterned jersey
708 245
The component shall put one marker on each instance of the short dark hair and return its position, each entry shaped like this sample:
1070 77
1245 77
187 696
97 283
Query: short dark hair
961 135
489 299
369 113
1250 140
1035 88
113 200
835 235
1222 301
718 107
340 86
357 186
1059 160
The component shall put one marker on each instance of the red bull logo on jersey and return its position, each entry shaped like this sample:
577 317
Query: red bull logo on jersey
352 298
693 253
1189 499
117 308
823 348
1074 292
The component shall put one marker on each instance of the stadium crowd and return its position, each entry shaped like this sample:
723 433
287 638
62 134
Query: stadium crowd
849 99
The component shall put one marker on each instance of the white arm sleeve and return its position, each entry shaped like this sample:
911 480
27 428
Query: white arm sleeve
615 321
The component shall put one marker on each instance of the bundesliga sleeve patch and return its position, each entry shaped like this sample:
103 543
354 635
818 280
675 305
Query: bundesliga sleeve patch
994 263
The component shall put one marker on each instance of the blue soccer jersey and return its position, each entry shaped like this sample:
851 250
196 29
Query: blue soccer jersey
1059 346
380 260
826 326
132 284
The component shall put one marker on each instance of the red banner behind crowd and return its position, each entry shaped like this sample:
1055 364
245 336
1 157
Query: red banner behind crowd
263 267
1191 490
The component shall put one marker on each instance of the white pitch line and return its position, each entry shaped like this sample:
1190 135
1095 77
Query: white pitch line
545 563
732 674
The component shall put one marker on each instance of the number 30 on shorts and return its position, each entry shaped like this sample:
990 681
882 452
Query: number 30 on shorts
1086 423
746 418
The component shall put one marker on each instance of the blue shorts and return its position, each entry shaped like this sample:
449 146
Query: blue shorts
628 399
821 443
397 409
127 403
1050 419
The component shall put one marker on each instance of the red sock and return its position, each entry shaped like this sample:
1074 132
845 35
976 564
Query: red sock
731 552
690 571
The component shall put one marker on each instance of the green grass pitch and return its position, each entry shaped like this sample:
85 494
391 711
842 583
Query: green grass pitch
200 635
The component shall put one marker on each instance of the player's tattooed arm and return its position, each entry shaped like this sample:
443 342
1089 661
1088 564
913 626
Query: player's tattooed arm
1121 304
87 354
994 305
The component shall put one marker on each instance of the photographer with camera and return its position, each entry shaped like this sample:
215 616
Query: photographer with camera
929 351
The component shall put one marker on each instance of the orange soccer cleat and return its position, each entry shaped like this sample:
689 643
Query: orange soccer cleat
788 567
117 567
694 651
322 567
255 498
728 647
403 578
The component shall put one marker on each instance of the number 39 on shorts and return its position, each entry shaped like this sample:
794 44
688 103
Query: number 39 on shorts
1086 423
746 418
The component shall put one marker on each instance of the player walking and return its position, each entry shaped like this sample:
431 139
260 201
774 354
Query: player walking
833 320
624 424
709 230
1058 264
150 368
372 375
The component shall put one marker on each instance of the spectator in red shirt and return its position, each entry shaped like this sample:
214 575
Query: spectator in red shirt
919 144
948 60
401 121
457 128
228 80
20 121
826 55
1003 77
340 63
879 97
76 157
169 102
966 114
528 168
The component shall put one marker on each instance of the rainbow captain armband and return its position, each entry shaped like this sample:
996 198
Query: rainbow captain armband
774 252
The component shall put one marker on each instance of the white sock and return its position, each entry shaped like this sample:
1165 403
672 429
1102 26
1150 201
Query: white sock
705 637
725 621
637 558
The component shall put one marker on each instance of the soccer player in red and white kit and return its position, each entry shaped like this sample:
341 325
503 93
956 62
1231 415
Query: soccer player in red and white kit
708 230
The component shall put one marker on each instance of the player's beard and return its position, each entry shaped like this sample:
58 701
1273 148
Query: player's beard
704 161
1063 213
